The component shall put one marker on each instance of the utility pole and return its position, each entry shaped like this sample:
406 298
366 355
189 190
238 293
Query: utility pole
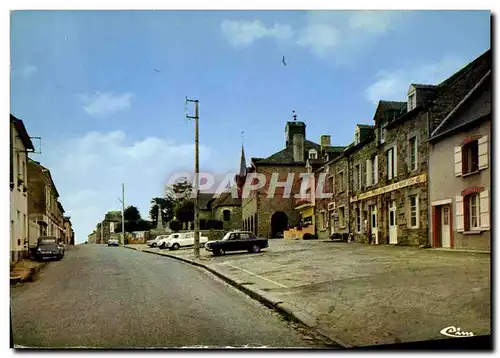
196 178
122 200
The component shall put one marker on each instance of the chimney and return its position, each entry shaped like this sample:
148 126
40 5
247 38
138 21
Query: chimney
325 141
298 147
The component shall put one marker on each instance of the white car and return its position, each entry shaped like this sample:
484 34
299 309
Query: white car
177 240
113 242
154 242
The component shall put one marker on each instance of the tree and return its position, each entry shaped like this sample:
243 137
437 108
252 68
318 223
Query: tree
167 205
182 188
184 211
131 213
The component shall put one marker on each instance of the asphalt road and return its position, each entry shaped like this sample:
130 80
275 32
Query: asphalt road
112 297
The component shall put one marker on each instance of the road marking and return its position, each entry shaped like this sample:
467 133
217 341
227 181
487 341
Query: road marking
254 274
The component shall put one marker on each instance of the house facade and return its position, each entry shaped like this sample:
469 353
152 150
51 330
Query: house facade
460 173
68 231
20 146
44 207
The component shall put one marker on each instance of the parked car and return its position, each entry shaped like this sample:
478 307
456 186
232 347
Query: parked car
154 242
47 247
113 242
181 239
237 241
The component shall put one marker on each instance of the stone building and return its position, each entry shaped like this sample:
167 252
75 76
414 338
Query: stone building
44 207
460 165
68 231
91 238
105 228
20 146
270 216
227 210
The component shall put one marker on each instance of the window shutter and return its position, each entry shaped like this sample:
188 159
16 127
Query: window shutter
459 212
360 175
395 160
483 152
375 172
368 172
458 161
389 164
484 207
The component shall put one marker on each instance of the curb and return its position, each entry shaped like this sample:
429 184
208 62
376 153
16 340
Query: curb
290 312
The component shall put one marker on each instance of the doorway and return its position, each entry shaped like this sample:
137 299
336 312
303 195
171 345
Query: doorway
393 226
279 222
374 227
445 226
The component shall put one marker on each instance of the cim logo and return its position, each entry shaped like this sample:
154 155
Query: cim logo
452 331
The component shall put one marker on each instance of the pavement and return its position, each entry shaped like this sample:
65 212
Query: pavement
360 295
110 297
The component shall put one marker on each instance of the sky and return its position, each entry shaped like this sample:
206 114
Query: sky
105 89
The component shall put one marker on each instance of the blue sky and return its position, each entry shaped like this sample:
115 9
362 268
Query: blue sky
85 82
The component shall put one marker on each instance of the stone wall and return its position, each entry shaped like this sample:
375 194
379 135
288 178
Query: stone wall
235 219
268 206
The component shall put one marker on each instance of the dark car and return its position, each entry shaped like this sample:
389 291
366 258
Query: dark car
237 241
48 247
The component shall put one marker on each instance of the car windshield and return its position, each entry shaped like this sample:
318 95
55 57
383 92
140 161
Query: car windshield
48 246
226 237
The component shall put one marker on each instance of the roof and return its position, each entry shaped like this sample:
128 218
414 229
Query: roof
46 171
422 86
23 133
394 105
365 126
205 200
334 149
226 199
285 156
481 110
59 205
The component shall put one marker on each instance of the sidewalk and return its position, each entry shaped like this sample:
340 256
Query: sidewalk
25 270
362 295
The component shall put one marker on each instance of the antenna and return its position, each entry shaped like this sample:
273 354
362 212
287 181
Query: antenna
294 116
242 137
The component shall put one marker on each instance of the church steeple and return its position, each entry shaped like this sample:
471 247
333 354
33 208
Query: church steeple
241 176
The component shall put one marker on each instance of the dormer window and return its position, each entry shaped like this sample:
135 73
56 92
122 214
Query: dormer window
313 154
412 101
383 130
357 136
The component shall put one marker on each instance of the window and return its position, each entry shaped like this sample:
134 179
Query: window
341 217
414 211
313 154
374 170
358 220
18 157
341 182
332 179
382 132
413 153
470 157
359 177
391 163
412 101
226 215
446 215
472 211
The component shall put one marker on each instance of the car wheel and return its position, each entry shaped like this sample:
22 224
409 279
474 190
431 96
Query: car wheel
255 248
175 246
216 253
153 245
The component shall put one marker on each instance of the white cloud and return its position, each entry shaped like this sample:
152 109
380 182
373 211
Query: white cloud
244 33
321 38
88 172
393 85
106 103
325 33
25 72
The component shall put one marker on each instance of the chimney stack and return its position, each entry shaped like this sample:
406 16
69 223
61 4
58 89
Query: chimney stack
298 147
325 141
